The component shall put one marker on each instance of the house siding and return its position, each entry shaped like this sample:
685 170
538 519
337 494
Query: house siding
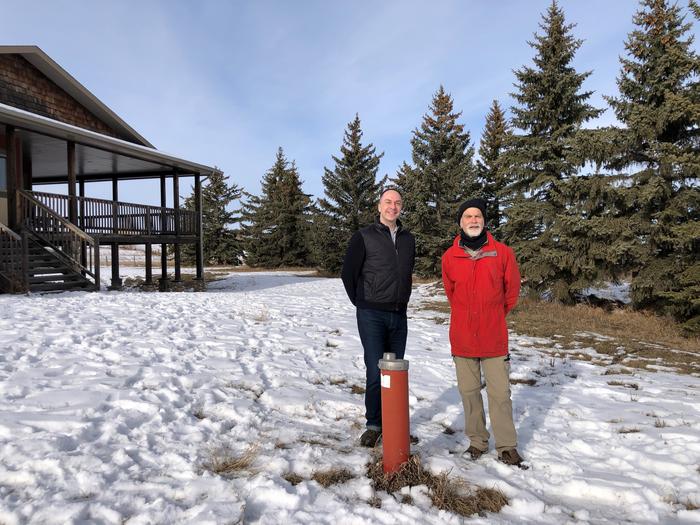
25 87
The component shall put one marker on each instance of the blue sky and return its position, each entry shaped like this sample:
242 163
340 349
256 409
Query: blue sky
226 82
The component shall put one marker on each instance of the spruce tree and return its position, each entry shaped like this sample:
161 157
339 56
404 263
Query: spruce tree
492 174
659 105
294 219
275 224
440 178
221 242
351 193
550 110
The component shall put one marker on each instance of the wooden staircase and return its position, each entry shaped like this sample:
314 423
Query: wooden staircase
11 274
48 271
51 254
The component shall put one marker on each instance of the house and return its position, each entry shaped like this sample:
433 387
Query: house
54 131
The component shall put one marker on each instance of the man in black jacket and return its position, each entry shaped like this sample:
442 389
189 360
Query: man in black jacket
377 273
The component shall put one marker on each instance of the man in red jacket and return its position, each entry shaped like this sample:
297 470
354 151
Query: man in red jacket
482 283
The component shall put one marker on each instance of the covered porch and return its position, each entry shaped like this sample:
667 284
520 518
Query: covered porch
39 151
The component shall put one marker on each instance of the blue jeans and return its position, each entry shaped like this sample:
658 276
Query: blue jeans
380 332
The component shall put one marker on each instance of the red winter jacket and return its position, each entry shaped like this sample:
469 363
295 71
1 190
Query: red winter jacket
481 291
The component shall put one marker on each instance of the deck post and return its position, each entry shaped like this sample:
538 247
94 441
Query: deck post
199 248
72 201
163 282
13 214
81 221
149 265
116 280
149 250
96 255
176 207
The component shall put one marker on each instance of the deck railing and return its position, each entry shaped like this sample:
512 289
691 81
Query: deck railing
65 240
11 267
105 217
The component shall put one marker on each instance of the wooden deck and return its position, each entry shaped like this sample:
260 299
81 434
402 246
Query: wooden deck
123 222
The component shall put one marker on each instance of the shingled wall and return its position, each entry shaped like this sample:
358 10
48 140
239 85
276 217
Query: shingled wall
25 87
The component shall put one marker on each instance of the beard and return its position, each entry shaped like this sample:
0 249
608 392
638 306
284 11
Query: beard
474 231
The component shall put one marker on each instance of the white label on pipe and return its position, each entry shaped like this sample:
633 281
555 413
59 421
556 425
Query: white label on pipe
386 381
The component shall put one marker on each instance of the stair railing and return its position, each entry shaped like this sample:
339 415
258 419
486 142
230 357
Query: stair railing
64 239
12 274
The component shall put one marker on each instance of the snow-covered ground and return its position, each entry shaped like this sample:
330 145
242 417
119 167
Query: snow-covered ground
112 403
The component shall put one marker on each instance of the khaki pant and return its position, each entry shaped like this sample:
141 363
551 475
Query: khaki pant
495 370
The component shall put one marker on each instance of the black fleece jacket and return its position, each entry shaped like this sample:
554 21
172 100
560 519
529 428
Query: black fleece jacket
376 273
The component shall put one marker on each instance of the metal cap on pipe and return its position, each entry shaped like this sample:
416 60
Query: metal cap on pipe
389 362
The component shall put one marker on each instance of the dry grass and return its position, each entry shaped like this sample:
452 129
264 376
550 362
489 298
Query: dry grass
633 386
333 476
686 504
417 279
618 371
446 493
628 430
375 502
188 282
293 478
529 382
249 269
660 423
357 389
225 462
633 339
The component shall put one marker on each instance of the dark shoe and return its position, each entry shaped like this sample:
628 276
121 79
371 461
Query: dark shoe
510 457
370 438
475 453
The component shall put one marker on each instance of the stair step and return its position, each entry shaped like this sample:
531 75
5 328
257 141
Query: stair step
37 270
53 277
55 287
47 259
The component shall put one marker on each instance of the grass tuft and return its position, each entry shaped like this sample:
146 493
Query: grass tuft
446 493
333 476
225 462
529 382
618 371
357 389
628 430
293 478
633 386
375 502
660 423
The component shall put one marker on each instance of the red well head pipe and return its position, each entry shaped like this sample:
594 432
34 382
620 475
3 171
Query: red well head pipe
396 443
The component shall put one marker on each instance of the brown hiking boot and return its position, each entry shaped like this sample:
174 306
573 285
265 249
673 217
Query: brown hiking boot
370 438
510 457
474 452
